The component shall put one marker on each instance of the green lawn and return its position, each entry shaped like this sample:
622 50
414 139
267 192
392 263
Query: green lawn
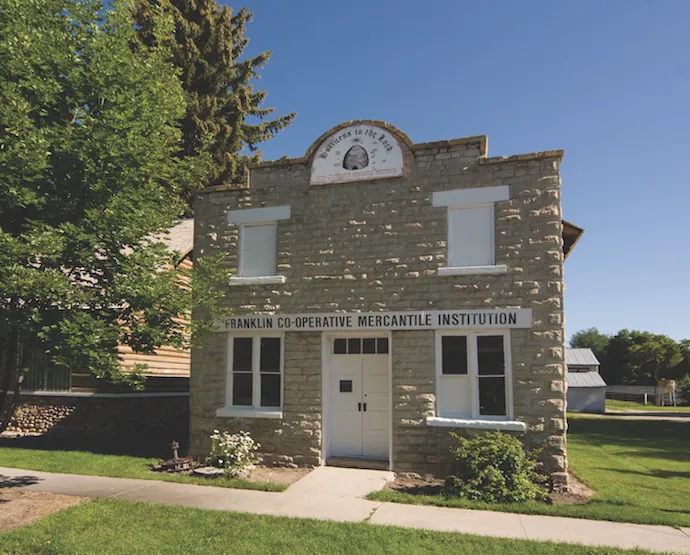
639 469
106 526
613 404
118 466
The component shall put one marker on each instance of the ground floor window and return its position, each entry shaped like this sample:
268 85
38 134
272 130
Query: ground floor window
473 375
255 371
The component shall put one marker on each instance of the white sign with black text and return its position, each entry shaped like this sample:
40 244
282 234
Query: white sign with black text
498 318
360 152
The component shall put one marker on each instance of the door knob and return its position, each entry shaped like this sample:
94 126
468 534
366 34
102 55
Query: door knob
359 406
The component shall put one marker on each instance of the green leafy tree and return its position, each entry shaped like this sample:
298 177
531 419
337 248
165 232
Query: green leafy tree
637 357
89 172
590 338
224 112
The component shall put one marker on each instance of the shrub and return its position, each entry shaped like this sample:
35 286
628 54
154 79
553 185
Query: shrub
494 468
232 452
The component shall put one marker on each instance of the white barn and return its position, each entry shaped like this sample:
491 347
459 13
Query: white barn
586 387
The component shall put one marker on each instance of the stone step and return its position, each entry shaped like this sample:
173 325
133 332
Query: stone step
358 462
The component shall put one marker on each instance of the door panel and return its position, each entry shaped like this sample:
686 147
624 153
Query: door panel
346 394
375 395
359 412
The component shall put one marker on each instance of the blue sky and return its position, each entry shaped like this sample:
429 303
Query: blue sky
608 82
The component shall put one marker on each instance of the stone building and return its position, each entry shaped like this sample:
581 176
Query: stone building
386 293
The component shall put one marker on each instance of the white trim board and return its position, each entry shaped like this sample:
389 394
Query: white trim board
257 215
469 197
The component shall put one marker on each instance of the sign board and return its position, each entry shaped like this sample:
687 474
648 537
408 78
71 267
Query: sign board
360 152
499 318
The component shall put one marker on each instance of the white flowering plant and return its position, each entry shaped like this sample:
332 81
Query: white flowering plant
232 452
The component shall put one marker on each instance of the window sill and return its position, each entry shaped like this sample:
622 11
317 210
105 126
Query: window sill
257 280
503 425
495 269
233 412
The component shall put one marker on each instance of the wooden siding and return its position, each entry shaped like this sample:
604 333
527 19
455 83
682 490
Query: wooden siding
167 361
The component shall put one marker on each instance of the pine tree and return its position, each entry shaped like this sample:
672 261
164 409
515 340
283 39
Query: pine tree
221 100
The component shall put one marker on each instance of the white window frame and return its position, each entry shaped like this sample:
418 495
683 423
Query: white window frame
256 410
476 420
256 217
467 199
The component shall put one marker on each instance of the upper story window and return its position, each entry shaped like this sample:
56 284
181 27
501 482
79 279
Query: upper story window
471 247
258 244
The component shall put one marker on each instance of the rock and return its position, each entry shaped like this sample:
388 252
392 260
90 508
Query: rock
409 476
242 473
209 471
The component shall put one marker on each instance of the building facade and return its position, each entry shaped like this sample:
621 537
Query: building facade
586 387
385 294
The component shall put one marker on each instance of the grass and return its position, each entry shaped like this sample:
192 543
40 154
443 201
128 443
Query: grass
118 466
639 469
107 526
613 404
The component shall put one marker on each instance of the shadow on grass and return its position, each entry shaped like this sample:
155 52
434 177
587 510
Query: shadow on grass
653 473
150 445
654 438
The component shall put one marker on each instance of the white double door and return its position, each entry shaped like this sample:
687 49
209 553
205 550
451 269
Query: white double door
359 415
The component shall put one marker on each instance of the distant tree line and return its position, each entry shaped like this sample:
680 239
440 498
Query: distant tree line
636 357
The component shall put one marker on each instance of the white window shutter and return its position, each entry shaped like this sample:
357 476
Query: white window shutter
471 236
258 250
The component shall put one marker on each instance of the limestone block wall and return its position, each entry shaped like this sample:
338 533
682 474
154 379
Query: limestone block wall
377 245
294 440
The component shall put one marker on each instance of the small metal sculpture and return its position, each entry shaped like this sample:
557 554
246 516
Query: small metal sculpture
176 464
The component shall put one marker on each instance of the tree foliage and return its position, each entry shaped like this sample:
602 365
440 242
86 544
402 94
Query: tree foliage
635 357
224 112
89 172
590 338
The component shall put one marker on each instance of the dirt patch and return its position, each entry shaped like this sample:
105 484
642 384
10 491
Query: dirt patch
416 485
578 492
277 474
21 508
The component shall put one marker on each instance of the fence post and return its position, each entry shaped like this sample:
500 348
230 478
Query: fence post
645 399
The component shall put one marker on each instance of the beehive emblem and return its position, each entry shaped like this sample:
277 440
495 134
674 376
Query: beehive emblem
356 158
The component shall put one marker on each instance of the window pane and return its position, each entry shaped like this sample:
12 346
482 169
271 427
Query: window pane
454 354
270 390
471 236
258 250
354 346
242 354
242 389
345 386
270 354
369 346
490 355
492 396
382 346
340 346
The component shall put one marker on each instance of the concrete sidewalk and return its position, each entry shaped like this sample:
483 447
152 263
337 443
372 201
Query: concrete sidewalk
335 494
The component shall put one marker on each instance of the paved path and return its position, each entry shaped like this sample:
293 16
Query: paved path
640 415
336 494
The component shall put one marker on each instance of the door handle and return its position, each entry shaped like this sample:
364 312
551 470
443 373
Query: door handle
359 406
365 407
